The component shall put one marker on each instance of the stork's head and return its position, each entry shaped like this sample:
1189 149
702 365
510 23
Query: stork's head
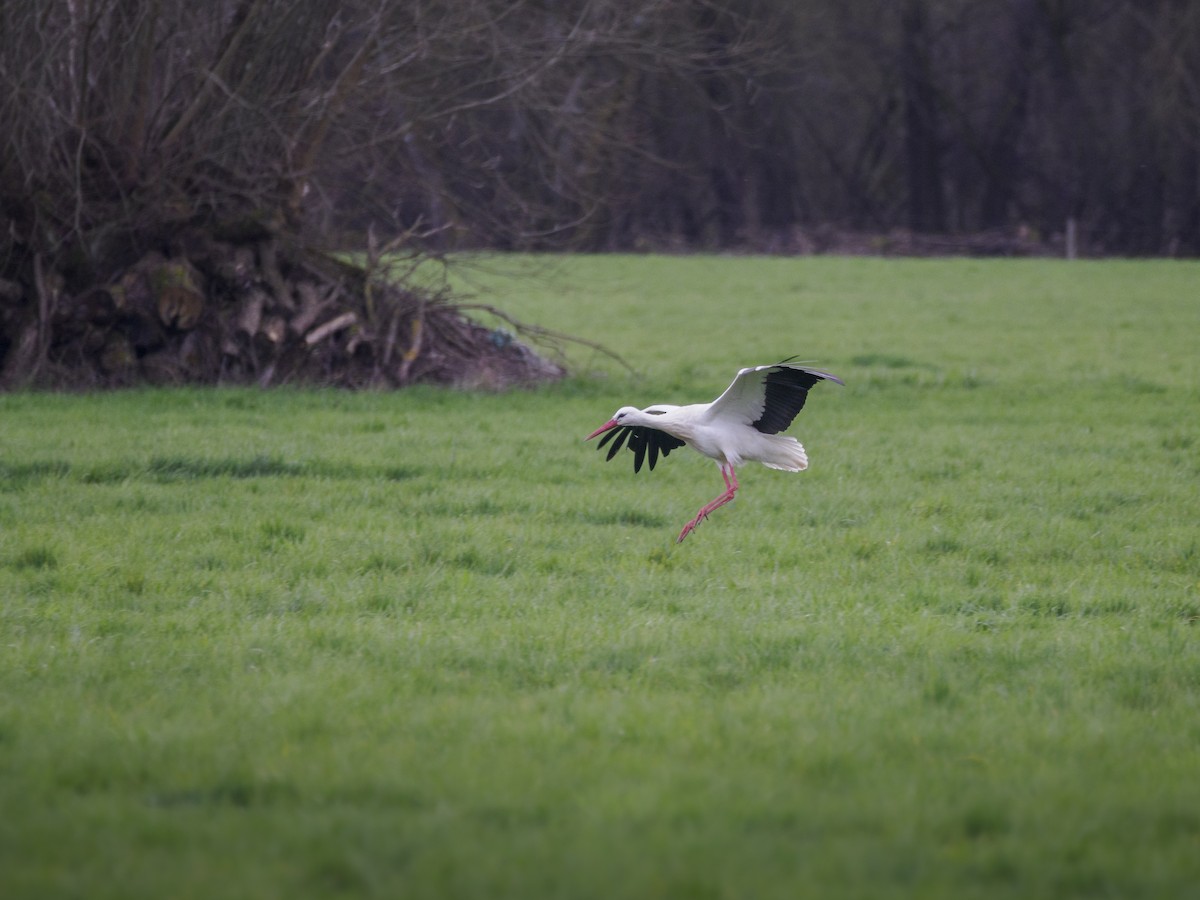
620 417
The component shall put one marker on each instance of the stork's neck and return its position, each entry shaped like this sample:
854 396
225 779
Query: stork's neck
678 421
652 416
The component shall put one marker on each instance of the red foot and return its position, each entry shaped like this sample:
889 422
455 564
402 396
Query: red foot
731 486
703 514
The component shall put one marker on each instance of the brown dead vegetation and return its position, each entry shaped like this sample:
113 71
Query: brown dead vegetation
259 312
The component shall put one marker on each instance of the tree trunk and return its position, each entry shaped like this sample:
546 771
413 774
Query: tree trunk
922 149
1001 160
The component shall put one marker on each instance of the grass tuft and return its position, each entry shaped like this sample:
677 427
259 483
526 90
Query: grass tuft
35 557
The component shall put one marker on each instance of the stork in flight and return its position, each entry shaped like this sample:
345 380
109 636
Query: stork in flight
742 424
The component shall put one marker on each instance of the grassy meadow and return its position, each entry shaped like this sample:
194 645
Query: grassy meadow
430 644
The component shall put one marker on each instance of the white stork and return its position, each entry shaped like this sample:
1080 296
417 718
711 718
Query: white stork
742 424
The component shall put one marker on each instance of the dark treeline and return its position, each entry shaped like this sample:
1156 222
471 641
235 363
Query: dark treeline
603 124
768 118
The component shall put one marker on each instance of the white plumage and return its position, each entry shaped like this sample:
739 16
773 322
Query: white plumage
741 425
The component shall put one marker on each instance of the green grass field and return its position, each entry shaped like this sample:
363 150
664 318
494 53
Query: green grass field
431 645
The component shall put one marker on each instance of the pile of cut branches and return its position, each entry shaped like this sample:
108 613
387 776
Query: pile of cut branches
260 311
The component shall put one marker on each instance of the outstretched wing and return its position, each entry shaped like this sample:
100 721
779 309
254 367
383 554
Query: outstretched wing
768 397
641 441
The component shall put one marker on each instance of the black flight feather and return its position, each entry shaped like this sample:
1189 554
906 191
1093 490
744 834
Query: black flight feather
786 389
642 441
637 444
612 451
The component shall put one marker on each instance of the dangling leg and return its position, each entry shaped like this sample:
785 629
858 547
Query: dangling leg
731 486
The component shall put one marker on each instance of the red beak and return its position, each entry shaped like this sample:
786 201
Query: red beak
611 423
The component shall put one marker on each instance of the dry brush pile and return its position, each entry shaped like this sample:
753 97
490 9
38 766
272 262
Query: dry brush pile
254 311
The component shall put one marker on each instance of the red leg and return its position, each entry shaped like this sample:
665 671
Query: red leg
731 486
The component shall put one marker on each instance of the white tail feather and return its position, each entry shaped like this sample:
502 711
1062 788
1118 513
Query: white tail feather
786 453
